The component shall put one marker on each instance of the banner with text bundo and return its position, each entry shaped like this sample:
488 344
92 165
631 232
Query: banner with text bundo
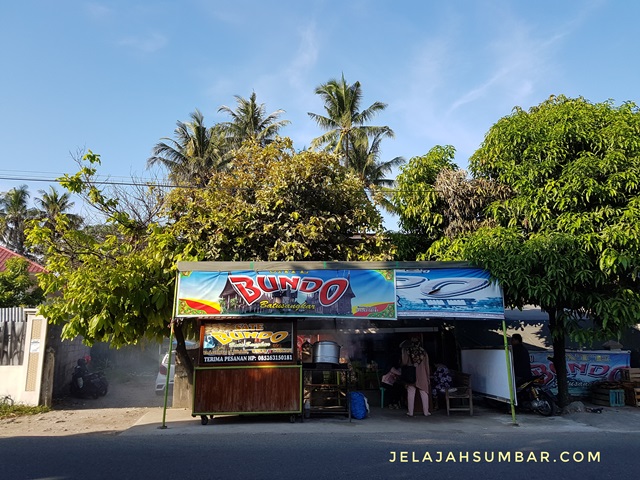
356 293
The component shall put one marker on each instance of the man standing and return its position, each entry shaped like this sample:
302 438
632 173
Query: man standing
521 361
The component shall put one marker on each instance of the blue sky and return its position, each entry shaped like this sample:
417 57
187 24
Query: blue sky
115 76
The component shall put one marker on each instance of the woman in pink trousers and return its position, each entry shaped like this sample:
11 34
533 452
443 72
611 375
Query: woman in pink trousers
414 354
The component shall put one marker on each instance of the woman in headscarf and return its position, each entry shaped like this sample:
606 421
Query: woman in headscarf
414 354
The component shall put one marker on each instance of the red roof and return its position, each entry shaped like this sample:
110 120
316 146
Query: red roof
6 254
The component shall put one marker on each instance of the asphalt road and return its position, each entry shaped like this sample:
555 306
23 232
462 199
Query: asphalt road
353 456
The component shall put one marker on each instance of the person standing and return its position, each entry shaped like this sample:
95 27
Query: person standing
521 359
414 354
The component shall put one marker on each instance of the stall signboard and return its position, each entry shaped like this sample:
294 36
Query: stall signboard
354 293
449 293
247 342
584 368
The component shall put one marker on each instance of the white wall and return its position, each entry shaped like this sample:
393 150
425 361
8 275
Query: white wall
24 382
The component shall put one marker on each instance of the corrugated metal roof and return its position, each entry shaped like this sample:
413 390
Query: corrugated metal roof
312 265
6 254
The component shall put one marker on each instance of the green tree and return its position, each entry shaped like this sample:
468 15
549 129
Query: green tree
51 204
195 154
367 165
280 205
249 121
17 287
465 201
345 123
373 172
14 215
277 205
419 208
111 284
568 239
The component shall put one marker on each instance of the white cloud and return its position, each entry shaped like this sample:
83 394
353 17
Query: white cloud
147 44
305 58
285 85
97 10
520 60
454 90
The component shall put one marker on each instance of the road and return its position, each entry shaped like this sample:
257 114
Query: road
353 456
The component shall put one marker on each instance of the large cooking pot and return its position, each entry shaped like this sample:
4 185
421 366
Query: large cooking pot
326 352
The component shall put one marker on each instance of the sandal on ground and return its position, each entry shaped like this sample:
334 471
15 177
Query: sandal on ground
408 414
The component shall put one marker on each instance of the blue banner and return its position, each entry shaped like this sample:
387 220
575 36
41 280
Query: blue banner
448 293
584 368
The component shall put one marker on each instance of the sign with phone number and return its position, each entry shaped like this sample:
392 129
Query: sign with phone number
248 358
254 342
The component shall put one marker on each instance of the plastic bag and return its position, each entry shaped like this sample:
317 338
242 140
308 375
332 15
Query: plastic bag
358 405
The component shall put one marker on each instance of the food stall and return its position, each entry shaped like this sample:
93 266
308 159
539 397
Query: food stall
257 320
249 361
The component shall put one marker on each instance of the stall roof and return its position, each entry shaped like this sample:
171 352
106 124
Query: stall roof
312 265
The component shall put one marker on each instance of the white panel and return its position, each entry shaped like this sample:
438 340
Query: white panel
488 369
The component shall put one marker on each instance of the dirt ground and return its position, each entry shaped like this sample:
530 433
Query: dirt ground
131 395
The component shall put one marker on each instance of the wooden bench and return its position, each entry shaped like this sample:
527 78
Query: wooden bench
460 392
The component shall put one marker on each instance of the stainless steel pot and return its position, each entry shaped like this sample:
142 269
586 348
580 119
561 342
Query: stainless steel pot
326 352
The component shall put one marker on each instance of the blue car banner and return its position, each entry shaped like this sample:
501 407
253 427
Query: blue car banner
354 293
449 293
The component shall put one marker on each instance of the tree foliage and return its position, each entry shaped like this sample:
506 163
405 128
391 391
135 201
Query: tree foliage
568 237
109 284
18 288
279 205
15 213
117 284
249 121
465 200
416 202
51 204
344 122
574 168
194 154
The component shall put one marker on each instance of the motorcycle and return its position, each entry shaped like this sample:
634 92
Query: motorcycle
84 383
533 395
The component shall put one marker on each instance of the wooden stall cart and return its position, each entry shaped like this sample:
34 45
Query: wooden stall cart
247 368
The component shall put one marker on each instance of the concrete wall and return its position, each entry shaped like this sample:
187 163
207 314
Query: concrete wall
23 382
66 353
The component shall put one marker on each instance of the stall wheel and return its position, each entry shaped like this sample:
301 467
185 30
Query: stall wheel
292 419
203 419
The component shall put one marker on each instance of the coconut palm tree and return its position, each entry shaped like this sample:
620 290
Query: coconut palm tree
14 215
249 121
195 153
51 204
344 122
366 164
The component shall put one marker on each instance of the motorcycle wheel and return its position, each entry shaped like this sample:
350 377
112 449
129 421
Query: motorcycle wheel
547 406
103 391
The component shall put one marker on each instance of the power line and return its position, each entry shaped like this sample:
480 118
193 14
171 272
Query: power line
150 183
98 182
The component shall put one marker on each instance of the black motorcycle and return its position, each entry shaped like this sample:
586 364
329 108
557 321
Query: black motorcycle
86 384
533 395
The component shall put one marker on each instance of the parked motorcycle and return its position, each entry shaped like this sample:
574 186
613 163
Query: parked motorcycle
533 395
86 384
